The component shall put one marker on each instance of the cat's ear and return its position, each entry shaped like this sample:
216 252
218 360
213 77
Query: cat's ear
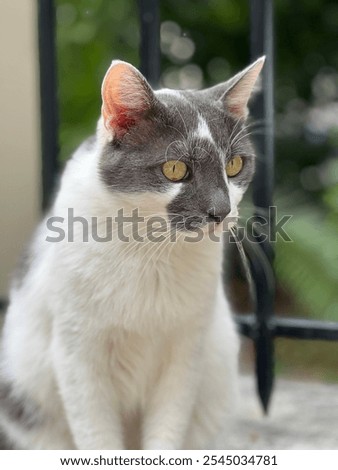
127 98
236 92
236 98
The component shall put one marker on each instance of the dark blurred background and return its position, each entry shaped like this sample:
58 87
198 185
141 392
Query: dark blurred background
204 42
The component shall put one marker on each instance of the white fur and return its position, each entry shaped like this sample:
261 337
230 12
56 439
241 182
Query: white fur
203 130
106 335
169 91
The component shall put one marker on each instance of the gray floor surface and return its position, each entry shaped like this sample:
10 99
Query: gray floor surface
303 415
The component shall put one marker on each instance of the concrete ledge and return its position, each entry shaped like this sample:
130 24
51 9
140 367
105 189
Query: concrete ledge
303 415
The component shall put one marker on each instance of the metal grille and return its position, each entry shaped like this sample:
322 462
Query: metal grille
262 326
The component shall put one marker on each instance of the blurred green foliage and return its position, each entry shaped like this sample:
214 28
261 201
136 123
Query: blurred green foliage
89 35
204 42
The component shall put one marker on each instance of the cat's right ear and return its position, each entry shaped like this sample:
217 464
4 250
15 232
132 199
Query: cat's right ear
127 98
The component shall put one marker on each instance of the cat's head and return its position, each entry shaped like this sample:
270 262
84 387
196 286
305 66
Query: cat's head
183 153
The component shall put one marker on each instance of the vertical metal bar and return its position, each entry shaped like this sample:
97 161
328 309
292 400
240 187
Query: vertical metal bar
263 110
48 98
262 40
149 11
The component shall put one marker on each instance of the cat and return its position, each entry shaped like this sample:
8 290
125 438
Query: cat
115 344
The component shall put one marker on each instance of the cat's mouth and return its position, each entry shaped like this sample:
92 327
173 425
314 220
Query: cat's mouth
188 223
217 228
207 225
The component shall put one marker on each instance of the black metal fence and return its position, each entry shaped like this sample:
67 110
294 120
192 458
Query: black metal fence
262 326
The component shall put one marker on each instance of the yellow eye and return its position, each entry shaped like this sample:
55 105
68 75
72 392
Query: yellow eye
234 166
174 170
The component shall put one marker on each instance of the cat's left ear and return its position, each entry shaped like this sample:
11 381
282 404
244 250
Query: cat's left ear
127 98
236 92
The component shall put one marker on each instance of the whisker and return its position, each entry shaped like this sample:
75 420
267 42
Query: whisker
177 130
185 126
245 261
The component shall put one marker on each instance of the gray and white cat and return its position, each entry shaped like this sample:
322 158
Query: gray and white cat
114 344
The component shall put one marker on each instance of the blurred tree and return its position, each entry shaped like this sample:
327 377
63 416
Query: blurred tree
89 35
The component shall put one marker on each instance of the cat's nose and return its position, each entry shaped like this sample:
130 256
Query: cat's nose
217 215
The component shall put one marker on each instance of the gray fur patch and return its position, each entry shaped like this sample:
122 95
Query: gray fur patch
135 163
17 408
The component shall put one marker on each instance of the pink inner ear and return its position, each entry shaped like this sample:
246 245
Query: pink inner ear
124 98
237 110
119 121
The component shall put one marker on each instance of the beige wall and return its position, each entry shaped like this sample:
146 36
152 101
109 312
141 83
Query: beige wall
19 131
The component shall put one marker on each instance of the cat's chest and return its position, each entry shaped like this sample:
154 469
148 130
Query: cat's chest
146 292
135 365
140 290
